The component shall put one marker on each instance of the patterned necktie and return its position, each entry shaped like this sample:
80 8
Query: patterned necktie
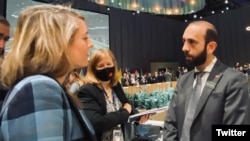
193 102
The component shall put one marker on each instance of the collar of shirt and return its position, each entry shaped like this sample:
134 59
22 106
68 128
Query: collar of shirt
204 77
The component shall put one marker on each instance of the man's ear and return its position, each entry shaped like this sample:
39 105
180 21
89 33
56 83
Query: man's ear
211 46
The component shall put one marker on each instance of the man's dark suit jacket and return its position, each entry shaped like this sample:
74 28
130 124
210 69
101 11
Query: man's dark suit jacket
94 105
224 100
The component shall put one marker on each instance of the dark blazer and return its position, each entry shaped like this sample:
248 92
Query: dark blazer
224 100
94 106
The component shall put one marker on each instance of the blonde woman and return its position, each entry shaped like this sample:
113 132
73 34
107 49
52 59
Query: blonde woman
105 103
49 42
74 83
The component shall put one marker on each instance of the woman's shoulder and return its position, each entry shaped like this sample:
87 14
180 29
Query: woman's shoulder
89 86
36 86
89 89
38 82
32 93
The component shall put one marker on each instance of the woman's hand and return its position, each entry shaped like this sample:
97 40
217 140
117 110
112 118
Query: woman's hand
128 107
144 118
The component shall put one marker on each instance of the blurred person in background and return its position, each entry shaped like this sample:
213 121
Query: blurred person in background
74 82
4 37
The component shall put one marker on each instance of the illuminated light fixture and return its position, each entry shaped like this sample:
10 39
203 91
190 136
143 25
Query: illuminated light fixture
184 6
134 5
222 11
192 2
176 10
212 12
101 1
226 1
108 8
157 8
168 11
248 28
227 8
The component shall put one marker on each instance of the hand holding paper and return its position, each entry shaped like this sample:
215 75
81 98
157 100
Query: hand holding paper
144 118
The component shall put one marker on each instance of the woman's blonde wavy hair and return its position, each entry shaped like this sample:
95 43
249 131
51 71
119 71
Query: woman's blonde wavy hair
42 37
95 58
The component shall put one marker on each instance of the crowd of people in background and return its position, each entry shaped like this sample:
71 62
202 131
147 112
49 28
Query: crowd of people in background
245 68
133 78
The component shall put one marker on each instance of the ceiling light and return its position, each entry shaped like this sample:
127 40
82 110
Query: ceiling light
248 28
192 2
134 5
101 2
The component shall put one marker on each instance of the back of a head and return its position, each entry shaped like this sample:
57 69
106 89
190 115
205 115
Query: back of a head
43 34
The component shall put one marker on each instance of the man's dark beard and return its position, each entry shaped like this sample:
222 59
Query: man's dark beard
199 60
2 53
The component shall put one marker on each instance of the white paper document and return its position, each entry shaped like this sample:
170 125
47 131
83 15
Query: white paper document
151 111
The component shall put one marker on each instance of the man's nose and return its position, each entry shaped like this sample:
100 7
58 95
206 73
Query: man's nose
2 43
185 47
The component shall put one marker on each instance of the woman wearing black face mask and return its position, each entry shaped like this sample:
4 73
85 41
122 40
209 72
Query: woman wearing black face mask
104 101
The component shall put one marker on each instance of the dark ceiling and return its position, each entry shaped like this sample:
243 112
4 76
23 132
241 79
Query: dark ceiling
212 7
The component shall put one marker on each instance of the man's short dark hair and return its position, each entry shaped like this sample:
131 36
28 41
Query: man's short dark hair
211 35
4 21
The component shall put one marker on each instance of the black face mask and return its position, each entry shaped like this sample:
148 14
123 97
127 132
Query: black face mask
105 74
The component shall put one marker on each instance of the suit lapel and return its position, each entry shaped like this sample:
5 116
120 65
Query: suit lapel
213 79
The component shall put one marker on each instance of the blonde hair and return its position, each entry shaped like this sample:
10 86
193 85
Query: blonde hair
41 40
95 58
